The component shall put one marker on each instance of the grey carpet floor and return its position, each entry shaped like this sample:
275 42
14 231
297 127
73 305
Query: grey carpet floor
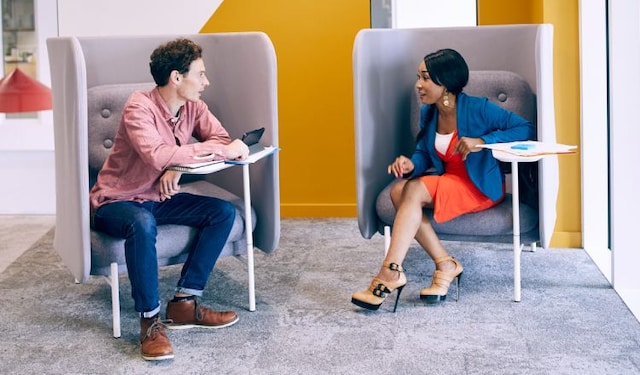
570 320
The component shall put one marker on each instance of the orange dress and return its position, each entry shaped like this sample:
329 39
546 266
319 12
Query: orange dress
453 192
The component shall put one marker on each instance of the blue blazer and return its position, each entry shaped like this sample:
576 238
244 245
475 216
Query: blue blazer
477 118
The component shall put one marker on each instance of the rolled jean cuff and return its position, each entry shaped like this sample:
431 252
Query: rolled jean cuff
152 313
194 292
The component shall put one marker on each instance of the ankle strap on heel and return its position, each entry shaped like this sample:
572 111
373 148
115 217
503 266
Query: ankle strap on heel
445 259
393 266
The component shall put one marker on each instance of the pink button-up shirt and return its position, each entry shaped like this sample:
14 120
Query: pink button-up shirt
148 141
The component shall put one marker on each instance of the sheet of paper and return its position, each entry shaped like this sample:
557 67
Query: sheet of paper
199 165
531 148
218 165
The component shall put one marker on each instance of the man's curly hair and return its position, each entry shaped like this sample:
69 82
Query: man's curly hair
174 55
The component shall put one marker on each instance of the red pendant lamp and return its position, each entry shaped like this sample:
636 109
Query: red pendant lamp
21 93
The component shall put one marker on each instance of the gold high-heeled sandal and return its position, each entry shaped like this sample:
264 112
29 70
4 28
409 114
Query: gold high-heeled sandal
373 297
441 281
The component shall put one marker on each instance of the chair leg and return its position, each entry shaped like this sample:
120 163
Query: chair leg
115 299
387 239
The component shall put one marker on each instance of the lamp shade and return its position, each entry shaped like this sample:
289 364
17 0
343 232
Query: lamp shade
21 93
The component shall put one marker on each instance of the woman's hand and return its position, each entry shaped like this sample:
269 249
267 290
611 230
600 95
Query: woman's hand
169 184
467 145
400 166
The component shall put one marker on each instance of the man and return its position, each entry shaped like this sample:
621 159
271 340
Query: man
135 192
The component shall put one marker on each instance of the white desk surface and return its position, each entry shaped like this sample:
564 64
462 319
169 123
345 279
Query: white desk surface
211 168
508 157
527 151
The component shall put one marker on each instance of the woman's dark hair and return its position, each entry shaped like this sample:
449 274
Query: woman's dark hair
174 55
446 67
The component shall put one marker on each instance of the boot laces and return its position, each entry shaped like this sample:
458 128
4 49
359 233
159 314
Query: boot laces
157 327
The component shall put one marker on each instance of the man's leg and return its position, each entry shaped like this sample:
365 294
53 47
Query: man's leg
214 218
135 223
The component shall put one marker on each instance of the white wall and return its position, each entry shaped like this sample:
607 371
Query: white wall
137 17
26 146
594 129
616 159
433 13
624 79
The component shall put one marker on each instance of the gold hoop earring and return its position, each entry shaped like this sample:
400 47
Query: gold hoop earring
445 100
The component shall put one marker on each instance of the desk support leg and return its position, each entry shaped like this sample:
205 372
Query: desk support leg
517 249
114 281
249 235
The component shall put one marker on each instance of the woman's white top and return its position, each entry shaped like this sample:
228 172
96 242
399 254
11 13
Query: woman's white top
442 142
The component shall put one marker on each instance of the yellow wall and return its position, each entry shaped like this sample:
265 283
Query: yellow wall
563 14
313 42
500 12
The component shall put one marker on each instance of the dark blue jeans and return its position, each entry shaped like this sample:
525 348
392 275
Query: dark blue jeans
137 224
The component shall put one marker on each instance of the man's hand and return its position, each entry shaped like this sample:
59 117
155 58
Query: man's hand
169 184
236 150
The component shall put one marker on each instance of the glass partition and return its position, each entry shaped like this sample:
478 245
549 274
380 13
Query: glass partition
19 41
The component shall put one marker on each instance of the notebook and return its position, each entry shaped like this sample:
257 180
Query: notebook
251 139
194 166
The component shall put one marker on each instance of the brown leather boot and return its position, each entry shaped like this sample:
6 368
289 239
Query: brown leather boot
154 343
190 314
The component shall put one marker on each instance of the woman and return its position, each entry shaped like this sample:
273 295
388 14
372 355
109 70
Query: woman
465 178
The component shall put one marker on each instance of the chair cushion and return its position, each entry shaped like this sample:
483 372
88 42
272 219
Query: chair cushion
496 221
105 104
506 89
173 241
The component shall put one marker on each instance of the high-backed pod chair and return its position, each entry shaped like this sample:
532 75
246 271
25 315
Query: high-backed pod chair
511 65
92 78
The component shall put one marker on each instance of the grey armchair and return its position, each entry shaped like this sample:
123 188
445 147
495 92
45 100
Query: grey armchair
511 65
92 78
